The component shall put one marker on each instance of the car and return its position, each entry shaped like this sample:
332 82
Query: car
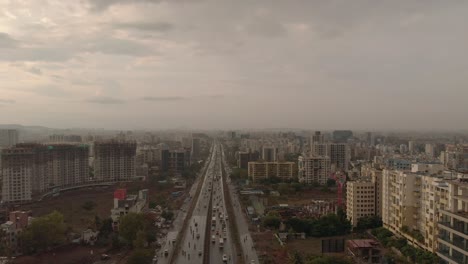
199 253
224 258
198 236
166 252
252 261
196 224
105 257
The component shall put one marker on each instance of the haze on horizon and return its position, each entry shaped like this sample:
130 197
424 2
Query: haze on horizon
144 64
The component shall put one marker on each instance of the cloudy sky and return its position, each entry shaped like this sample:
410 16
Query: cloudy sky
155 64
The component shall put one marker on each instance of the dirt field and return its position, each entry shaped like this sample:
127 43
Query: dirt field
70 203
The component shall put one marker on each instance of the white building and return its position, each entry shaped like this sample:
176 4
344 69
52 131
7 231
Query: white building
314 169
360 200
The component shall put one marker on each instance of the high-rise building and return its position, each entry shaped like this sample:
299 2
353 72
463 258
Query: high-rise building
17 174
453 222
114 160
243 159
315 169
196 148
264 170
175 161
269 153
317 137
8 137
360 200
339 154
36 168
429 150
342 136
411 147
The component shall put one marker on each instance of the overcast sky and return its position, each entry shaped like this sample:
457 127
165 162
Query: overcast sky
124 64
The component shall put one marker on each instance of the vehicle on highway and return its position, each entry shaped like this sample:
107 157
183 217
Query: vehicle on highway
213 221
198 236
166 252
221 243
224 258
199 252
213 239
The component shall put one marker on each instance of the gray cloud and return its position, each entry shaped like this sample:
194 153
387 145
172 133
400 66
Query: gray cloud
34 70
163 98
117 46
6 41
146 26
105 100
7 101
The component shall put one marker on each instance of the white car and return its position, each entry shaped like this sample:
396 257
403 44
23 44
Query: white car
224 258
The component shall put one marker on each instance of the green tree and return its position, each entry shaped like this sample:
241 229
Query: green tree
271 221
105 228
88 205
140 240
331 182
169 215
296 258
44 232
129 226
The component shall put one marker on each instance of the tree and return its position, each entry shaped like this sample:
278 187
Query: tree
44 232
368 222
105 229
140 256
271 221
129 225
168 215
140 240
331 182
296 258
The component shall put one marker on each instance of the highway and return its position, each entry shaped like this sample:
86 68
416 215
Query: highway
210 203
248 250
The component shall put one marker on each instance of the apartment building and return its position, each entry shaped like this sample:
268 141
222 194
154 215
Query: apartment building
114 160
315 169
360 200
8 137
37 168
339 154
264 170
175 161
243 158
453 222
410 205
17 174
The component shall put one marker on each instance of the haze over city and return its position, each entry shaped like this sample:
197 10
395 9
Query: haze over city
369 65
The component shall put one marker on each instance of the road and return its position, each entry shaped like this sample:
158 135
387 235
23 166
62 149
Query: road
168 244
193 247
248 250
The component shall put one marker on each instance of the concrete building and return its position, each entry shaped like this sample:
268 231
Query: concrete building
8 137
360 200
243 159
339 156
269 153
17 221
114 160
453 223
364 251
342 136
60 138
37 168
196 149
315 169
429 150
175 161
124 204
17 174
265 170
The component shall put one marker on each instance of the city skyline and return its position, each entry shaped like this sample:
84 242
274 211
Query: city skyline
209 65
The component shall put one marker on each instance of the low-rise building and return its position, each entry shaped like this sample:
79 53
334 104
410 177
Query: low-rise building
265 170
124 204
364 250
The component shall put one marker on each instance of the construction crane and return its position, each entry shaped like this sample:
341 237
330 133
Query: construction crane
340 179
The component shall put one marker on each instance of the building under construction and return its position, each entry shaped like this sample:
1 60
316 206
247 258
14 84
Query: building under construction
37 168
114 160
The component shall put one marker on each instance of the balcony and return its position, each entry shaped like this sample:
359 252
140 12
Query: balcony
446 254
